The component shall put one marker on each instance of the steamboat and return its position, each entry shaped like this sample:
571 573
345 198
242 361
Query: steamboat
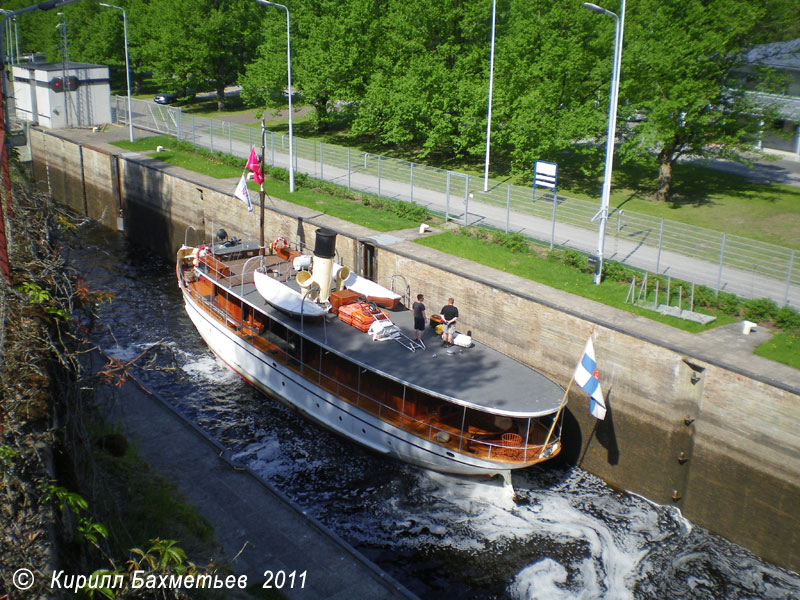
337 348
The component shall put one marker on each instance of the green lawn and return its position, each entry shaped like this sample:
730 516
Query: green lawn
721 201
782 347
343 208
554 274
181 158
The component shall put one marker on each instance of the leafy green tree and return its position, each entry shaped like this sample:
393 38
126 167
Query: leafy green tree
194 43
551 82
429 84
677 67
333 43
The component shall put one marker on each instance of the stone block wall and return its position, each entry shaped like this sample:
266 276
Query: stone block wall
681 429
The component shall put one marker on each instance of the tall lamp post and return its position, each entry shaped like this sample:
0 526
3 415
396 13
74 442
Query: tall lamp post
127 64
489 110
612 125
289 77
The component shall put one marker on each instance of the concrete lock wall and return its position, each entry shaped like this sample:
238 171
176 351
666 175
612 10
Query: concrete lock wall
682 428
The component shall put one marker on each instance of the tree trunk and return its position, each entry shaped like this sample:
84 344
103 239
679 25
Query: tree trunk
664 176
321 107
221 97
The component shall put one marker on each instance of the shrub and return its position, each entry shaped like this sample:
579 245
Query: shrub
787 318
615 271
515 242
411 211
725 302
575 259
760 309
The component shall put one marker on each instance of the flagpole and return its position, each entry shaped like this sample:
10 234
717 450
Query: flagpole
561 406
558 414
261 238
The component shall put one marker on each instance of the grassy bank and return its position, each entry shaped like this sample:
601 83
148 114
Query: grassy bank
783 347
550 270
355 207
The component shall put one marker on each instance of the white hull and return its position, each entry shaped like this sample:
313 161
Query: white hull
335 414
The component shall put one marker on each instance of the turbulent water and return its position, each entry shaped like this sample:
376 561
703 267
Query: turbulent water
567 536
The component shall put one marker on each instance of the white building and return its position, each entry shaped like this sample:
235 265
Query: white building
59 95
784 59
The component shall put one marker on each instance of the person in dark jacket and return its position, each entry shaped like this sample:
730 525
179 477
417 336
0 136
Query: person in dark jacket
419 318
449 316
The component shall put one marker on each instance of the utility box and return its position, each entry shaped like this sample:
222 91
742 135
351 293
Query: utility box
61 95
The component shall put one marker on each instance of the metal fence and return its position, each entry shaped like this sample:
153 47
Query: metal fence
721 261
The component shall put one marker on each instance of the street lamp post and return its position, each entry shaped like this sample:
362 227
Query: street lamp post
289 78
489 110
612 125
127 64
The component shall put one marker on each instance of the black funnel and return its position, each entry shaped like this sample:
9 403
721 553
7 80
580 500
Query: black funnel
325 243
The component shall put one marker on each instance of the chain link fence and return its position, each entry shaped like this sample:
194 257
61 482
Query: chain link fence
721 261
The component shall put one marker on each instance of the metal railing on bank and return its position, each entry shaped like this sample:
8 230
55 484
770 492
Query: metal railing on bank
723 262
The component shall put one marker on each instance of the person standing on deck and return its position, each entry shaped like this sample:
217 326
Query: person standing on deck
449 316
419 318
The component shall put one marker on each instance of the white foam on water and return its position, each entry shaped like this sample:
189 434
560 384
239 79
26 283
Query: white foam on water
545 580
612 564
210 369
474 517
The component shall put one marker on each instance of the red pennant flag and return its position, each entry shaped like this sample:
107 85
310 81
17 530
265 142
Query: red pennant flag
252 164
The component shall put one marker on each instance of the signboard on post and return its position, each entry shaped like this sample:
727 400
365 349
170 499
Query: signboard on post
545 174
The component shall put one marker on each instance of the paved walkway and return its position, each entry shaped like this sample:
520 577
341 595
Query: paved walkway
256 526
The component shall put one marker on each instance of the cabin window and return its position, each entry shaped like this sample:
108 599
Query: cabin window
276 336
311 359
339 376
293 349
393 399
371 391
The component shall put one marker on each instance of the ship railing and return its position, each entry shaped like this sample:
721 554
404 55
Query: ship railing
510 448
406 290
221 314
244 272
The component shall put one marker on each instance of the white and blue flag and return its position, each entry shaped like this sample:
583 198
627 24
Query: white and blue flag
586 377
242 193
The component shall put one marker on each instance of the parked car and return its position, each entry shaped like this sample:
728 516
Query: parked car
165 98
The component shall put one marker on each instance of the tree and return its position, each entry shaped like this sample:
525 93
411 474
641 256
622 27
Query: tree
677 68
429 84
552 65
333 46
194 43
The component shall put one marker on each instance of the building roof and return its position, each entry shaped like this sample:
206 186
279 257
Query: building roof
787 106
777 55
58 66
